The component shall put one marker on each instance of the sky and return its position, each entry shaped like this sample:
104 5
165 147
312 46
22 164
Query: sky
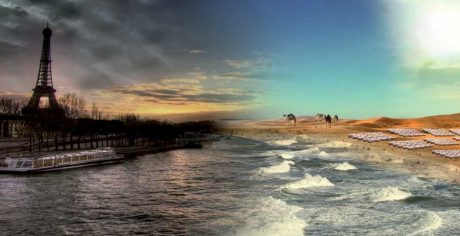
258 59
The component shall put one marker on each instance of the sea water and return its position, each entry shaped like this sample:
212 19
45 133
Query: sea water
232 187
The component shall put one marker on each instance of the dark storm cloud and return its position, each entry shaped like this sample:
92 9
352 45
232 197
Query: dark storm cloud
99 43
15 11
167 91
181 95
221 98
57 9
7 48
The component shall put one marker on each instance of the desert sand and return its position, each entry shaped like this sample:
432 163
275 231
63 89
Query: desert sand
420 162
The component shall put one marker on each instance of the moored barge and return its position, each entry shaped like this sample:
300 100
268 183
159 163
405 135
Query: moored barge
60 161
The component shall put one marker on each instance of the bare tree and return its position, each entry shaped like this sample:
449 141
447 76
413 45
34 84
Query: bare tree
11 106
95 113
74 107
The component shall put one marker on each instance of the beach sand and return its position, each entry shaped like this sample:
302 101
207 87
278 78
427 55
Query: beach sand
419 162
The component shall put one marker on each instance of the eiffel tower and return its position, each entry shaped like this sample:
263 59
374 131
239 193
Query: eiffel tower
44 86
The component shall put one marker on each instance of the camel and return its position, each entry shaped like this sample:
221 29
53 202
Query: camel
319 119
328 120
290 117
319 116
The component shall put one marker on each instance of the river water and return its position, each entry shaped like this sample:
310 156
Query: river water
232 187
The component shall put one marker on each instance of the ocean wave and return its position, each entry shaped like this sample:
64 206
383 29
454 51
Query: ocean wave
309 181
376 195
272 153
336 144
315 151
323 154
345 166
429 221
284 167
389 194
330 220
272 216
283 142
286 155
305 137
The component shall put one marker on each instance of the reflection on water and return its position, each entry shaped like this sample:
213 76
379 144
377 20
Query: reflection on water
234 187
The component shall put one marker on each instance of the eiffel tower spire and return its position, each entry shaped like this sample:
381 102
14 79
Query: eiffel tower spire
44 72
44 86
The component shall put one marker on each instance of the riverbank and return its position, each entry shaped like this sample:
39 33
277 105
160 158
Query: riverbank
419 162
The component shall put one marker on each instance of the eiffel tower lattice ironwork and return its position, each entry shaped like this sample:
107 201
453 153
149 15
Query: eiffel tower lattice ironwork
44 86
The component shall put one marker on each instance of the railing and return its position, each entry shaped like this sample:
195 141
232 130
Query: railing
58 159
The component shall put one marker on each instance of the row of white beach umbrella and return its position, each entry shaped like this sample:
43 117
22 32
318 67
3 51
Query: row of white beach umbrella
406 132
441 141
410 132
371 137
455 131
414 144
447 153
438 132
411 144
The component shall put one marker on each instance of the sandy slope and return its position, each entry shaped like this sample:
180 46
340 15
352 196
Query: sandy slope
420 162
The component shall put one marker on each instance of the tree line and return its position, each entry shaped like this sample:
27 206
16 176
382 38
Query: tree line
75 126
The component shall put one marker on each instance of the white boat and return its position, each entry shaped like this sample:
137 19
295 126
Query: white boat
59 161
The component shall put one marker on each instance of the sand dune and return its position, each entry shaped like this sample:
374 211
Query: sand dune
440 121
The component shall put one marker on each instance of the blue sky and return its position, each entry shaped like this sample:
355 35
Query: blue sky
332 57
241 59
355 58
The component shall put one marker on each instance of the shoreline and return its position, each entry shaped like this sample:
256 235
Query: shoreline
421 163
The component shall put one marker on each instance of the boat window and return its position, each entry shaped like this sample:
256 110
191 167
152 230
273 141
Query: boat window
19 164
27 164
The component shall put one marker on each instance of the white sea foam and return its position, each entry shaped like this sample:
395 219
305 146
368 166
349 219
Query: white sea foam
283 142
429 221
286 155
284 167
336 144
376 195
389 194
308 150
271 153
370 221
323 154
272 216
309 181
345 166
305 137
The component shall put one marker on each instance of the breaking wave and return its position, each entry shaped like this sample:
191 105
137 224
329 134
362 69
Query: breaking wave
336 144
286 155
389 194
429 221
323 154
377 195
284 167
272 217
345 166
283 142
309 181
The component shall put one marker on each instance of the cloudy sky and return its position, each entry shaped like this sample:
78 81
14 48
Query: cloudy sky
240 59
